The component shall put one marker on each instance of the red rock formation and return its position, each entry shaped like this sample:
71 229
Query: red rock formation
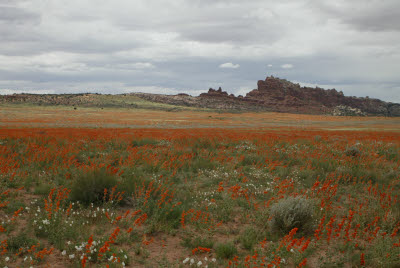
212 93
276 94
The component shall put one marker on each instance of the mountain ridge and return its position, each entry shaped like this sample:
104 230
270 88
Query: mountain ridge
272 94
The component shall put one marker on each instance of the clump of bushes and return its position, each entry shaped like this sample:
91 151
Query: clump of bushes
292 212
21 240
248 238
225 250
88 187
353 151
317 138
144 141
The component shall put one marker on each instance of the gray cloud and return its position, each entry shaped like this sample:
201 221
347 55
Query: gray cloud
370 15
178 45
9 14
203 21
15 25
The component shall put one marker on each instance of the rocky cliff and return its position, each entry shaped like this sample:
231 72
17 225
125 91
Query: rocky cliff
280 95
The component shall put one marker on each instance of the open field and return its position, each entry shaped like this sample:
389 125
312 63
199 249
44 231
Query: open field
63 116
138 188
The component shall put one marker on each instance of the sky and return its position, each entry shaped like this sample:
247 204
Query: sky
176 46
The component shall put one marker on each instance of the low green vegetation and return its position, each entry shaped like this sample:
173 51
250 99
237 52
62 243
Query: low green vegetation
186 197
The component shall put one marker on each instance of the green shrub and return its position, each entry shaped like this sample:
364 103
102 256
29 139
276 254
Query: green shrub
248 238
89 187
58 229
14 205
200 163
391 153
251 159
198 241
165 218
317 138
353 151
43 189
292 212
225 250
204 144
144 141
21 240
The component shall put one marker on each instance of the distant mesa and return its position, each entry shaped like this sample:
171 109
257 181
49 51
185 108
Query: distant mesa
281 95
272 94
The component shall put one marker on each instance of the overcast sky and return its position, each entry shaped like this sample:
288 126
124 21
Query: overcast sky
57 46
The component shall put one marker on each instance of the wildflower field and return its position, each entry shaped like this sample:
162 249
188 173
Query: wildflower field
140 188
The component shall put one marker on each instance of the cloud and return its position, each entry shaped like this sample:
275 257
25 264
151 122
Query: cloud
9 92
374 16
229 65
287 66
113 46
136 65
18 15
